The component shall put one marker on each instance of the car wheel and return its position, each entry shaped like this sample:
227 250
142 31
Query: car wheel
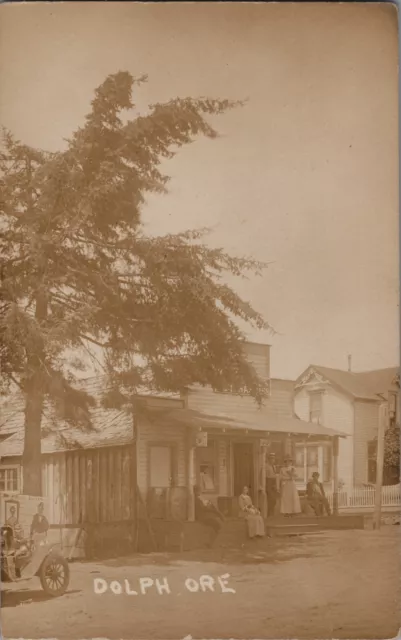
54 575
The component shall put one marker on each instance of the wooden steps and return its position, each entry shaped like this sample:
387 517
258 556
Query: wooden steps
308 524
188 536
291 529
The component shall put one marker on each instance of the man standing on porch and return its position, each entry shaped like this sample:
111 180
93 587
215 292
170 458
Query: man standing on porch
316 496
271 484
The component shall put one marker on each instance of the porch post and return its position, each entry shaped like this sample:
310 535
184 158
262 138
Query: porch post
288 445
262 485
191 476
335 474
256 472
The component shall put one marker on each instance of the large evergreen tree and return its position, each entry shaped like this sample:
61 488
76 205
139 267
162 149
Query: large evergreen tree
80 273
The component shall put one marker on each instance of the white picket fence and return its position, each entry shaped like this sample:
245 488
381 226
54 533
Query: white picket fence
364 498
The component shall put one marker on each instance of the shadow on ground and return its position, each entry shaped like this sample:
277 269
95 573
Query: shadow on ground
26 596
267 551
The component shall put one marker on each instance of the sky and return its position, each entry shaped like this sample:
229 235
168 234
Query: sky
304 176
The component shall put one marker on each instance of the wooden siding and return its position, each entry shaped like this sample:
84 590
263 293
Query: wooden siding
366 427
92 485
205 399
281 400
301 404
279 403
259 356
338 413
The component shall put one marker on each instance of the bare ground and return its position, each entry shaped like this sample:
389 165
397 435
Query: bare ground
343 584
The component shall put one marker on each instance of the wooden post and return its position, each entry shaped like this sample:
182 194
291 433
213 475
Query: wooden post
335 474
191 476
256 472
288 445
262 486
379 467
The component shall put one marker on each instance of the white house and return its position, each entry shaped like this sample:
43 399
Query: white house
349 402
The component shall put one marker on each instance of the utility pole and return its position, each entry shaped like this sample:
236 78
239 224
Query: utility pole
379 466
335 474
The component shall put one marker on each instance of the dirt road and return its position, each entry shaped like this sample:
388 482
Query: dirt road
334 585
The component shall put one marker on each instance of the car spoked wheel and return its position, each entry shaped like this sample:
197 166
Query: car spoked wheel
54 576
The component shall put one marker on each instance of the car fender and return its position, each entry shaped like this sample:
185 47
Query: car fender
38 557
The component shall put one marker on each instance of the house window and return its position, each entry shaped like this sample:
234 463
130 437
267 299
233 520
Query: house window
207 467
372 452
315 407
310 458
9 479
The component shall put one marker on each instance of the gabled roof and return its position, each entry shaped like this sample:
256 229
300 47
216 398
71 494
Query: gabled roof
366 385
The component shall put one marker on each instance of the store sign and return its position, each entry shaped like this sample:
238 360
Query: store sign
201 439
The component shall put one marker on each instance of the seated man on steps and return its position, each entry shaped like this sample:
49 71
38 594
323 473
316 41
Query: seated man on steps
316 496
208 514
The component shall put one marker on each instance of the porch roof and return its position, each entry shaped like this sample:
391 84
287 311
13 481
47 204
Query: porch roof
260 422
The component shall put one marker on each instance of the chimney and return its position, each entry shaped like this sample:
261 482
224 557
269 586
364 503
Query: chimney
349 363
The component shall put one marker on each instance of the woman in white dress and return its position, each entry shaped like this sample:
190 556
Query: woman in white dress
289 498
256 526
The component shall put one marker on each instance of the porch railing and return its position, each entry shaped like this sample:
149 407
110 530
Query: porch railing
364 497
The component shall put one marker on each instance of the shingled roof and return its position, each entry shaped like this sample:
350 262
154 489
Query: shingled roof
109 427
365 385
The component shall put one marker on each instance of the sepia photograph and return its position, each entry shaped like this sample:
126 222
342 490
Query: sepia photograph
199 321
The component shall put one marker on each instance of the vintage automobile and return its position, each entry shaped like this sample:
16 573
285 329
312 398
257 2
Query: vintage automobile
22 559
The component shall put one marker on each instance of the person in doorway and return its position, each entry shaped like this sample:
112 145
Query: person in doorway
12 519
290 503
40 524
316 496
271 484
206 480
256 526
207 514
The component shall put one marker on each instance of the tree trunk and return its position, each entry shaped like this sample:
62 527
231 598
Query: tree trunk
31 457
35 394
